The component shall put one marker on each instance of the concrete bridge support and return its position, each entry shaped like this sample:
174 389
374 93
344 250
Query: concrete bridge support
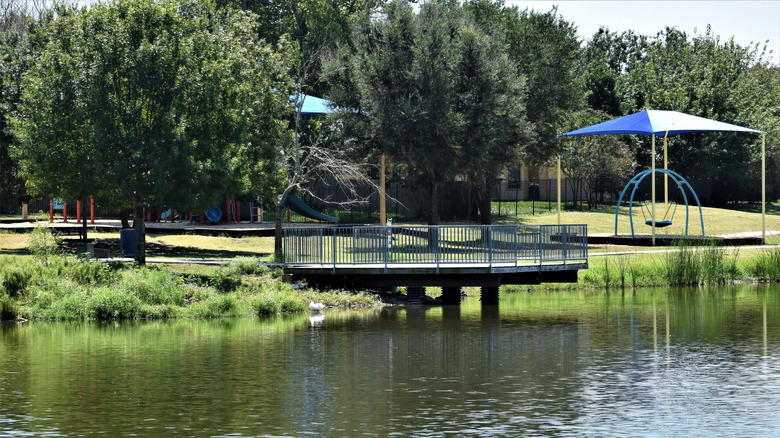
489 295
415 294
450 295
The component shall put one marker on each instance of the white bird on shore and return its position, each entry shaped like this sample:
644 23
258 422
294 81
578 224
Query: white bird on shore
316 307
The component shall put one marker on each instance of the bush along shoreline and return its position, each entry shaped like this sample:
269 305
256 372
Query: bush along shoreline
72 288
52 286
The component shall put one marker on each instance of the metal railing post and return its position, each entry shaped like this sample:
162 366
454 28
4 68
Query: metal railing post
490 245
321 239
284 247
333 232
436 251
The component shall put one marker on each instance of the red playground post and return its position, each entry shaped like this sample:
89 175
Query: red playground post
64 211
92 210
78 211
227 209
51 209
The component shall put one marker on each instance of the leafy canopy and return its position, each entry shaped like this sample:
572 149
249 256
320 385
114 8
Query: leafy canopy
176 101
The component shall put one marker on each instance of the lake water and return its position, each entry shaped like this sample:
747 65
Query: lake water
702 362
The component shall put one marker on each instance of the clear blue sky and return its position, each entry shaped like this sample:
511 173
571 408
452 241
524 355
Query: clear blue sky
745 21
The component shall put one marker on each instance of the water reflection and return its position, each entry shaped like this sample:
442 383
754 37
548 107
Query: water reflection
635 363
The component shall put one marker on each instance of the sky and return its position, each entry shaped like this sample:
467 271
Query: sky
745 21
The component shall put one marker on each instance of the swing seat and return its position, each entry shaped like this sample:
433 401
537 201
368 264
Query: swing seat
658 224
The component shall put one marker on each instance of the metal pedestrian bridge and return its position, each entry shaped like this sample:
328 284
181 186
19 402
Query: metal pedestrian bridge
446 255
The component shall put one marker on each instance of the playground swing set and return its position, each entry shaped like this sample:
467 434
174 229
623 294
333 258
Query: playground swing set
681 184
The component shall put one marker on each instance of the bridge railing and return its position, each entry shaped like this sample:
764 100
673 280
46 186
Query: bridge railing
443 244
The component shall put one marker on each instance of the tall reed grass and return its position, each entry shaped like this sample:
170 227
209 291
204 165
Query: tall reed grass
766 266
690 266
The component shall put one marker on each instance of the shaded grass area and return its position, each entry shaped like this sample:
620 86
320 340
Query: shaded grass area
186 246
71 288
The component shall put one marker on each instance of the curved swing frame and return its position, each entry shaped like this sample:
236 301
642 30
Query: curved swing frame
681 184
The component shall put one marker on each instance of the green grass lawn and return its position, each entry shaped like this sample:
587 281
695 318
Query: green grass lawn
742 218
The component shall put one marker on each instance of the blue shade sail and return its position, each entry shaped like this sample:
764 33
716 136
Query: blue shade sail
314 105
657 122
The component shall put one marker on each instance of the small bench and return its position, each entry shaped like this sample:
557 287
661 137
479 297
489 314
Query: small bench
69 231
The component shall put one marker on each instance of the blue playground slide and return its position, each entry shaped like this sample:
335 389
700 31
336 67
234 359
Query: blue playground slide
213 214
302 209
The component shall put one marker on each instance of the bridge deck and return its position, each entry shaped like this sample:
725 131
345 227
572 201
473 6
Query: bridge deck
435 256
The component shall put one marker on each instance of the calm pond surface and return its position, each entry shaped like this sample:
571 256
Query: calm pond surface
703 362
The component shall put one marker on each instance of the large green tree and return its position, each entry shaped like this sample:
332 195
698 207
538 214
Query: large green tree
490 108
401 65
545 49
174 102
314 25
434 92
13 45
709 78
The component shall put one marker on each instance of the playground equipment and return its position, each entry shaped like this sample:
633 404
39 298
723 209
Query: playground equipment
302 209
58 204
61 204
681 185
213 214
232 210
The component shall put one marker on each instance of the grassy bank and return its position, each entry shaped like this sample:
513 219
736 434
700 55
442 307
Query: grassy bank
70 288
678 266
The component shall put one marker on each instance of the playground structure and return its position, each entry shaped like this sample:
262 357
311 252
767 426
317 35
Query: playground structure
59 204
232 212
682 184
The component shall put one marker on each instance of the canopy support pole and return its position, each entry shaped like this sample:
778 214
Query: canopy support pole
763 187
652 177
559 189
666 176
382 205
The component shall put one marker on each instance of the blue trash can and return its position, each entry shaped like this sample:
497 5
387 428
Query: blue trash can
127 242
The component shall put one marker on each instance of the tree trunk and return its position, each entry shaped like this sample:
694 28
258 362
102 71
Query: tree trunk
124 216
433 218
278 230
485 208
140 230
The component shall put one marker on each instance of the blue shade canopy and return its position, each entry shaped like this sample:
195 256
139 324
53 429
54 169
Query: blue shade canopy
651 122
313 105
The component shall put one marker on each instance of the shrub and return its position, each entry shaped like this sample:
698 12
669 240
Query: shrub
84 271
224 281
44 244
15 279
159 311
106 303
154 286
247 266
68 307
8 310
216 306
265 304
